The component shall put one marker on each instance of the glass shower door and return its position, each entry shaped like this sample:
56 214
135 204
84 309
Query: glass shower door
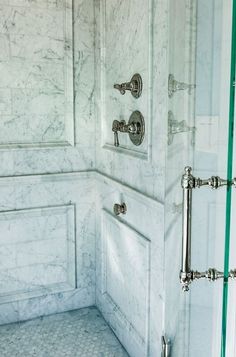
200 129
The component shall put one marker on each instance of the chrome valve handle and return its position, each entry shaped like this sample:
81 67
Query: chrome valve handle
135 128
135 86
176 127
174 86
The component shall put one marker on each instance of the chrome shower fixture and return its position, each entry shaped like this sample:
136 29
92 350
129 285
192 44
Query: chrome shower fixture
176 127
135 86
135 128
174 86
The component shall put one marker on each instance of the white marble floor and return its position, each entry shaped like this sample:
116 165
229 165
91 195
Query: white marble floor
80 333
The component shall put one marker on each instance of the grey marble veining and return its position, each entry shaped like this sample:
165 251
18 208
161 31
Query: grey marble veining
140 48
82 333
134 311
47 245
46 93
136 318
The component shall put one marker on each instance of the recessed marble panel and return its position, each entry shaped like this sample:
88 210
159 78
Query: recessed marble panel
37 248
130 55
36 98
47 244
126 274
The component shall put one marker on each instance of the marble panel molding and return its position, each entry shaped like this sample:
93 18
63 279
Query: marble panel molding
129 266
37 249
126 278
36 70
47 244
132 54
121 51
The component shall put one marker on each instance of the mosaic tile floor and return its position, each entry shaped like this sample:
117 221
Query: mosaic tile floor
79 333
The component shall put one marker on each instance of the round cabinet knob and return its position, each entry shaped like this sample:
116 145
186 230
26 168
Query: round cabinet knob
118 209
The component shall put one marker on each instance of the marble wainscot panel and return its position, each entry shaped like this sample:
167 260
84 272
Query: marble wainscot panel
47 245
46 93
142 49
38 75
129 270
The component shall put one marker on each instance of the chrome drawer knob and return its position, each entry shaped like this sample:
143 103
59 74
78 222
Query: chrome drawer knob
118 209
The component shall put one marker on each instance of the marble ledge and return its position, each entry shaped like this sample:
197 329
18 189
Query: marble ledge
75 175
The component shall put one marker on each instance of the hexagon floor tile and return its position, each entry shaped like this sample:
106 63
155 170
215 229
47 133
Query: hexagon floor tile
79 333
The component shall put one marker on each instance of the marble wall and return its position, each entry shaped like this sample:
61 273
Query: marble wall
130 248
47 225
129 279
37 74
136 51
46 92
44 158
47 218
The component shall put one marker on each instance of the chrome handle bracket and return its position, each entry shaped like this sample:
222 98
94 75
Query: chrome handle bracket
135 86
215 182
211 274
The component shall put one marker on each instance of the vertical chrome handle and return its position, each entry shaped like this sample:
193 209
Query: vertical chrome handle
187 186
188 183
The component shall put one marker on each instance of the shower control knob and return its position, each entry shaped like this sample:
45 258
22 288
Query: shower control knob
135 128
118 209
135 86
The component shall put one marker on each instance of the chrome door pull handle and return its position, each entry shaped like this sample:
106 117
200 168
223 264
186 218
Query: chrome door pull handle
188 183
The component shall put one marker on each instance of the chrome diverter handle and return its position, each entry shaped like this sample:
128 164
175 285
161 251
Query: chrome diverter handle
135 86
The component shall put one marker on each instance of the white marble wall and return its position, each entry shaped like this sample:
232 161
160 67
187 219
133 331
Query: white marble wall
129 277
37 72
39 41
131 37
47 225
47 220
140 48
